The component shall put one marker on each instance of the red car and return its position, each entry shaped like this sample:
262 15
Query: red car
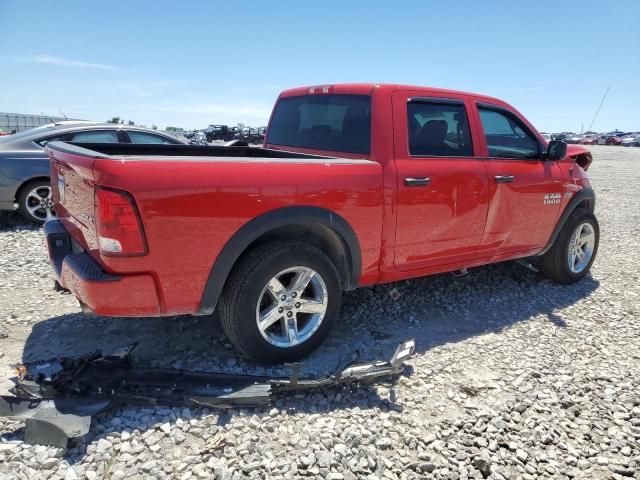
357 185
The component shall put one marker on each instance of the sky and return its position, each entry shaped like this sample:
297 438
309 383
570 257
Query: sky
195 63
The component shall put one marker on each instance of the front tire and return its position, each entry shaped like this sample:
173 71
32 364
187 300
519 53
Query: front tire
574 251
280 301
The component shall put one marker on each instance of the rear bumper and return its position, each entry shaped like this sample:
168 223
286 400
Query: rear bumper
101 292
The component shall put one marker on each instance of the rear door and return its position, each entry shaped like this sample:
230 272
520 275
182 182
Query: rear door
525 191
441 185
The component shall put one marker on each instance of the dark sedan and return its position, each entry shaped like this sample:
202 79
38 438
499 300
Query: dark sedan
24 166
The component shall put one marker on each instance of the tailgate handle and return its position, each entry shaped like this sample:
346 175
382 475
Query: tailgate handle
503 178
417 182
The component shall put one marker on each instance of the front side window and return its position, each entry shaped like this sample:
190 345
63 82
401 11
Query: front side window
339 123
438 129
100 136
142 137
507 136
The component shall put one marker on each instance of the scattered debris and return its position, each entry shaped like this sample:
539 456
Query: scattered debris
528 265
395 293
57 398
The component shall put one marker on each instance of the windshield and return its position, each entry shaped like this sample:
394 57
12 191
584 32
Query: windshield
339 123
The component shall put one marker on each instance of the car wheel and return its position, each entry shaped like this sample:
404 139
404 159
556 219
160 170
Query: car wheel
35 202
280 302
572 254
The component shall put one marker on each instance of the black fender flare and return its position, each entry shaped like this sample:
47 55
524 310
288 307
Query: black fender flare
586 195
255 228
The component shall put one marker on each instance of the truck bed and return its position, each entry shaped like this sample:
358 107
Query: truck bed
106 150
194 200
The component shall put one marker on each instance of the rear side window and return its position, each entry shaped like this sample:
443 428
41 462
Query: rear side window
438 129
43 141
340 123
507 136
104 136
142 137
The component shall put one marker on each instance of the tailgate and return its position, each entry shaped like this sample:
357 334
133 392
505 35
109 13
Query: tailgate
73 193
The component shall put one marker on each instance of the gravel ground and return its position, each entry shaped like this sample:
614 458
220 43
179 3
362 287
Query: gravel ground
514 376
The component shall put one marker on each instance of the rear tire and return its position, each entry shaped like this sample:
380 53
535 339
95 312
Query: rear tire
572 254
263 309
35 202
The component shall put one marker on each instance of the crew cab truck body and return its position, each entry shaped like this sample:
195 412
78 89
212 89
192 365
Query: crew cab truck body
357 184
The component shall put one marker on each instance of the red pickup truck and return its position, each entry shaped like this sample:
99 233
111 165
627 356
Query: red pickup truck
356 185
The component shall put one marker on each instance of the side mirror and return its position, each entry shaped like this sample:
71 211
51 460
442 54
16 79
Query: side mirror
556 150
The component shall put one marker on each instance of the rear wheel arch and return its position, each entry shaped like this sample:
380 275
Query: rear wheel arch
42 209
315 226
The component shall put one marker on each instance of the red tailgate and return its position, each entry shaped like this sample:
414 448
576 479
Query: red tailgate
73 195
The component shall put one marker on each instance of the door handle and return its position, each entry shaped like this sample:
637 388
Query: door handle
503 178
417 182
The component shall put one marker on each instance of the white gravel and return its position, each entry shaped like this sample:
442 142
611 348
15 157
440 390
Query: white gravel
514 376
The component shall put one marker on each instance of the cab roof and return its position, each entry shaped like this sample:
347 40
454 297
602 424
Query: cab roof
368 88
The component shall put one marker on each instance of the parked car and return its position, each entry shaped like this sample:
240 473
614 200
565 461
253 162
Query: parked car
611 138
198 138
589 140
251 135
574 139
631 140
355 186
218 132
562 136
24 165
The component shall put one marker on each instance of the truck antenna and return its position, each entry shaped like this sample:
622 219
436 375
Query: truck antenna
599 107
65 117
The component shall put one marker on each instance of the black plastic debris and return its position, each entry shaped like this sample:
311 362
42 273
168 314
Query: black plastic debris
57 398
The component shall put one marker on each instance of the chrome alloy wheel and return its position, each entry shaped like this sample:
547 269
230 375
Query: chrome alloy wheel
39 203
292 306
581 247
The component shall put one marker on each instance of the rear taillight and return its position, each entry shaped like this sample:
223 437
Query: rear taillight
118 224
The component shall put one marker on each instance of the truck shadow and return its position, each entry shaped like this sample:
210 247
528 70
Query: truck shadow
13 221
434 311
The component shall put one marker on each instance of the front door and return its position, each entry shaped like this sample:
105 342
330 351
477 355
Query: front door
442 188
525 191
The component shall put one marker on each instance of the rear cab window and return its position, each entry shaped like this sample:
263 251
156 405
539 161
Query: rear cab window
331 122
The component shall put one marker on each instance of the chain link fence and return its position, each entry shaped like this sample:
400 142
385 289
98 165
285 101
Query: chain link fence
19 122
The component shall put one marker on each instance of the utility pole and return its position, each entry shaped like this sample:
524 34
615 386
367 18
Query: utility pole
599 107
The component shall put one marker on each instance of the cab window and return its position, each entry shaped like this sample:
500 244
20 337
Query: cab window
438 129
338 123
98 136
149 138
507 136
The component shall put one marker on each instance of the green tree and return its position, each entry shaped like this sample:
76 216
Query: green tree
114 120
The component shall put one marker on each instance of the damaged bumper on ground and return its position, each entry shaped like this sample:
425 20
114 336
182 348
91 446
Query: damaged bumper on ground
58 398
